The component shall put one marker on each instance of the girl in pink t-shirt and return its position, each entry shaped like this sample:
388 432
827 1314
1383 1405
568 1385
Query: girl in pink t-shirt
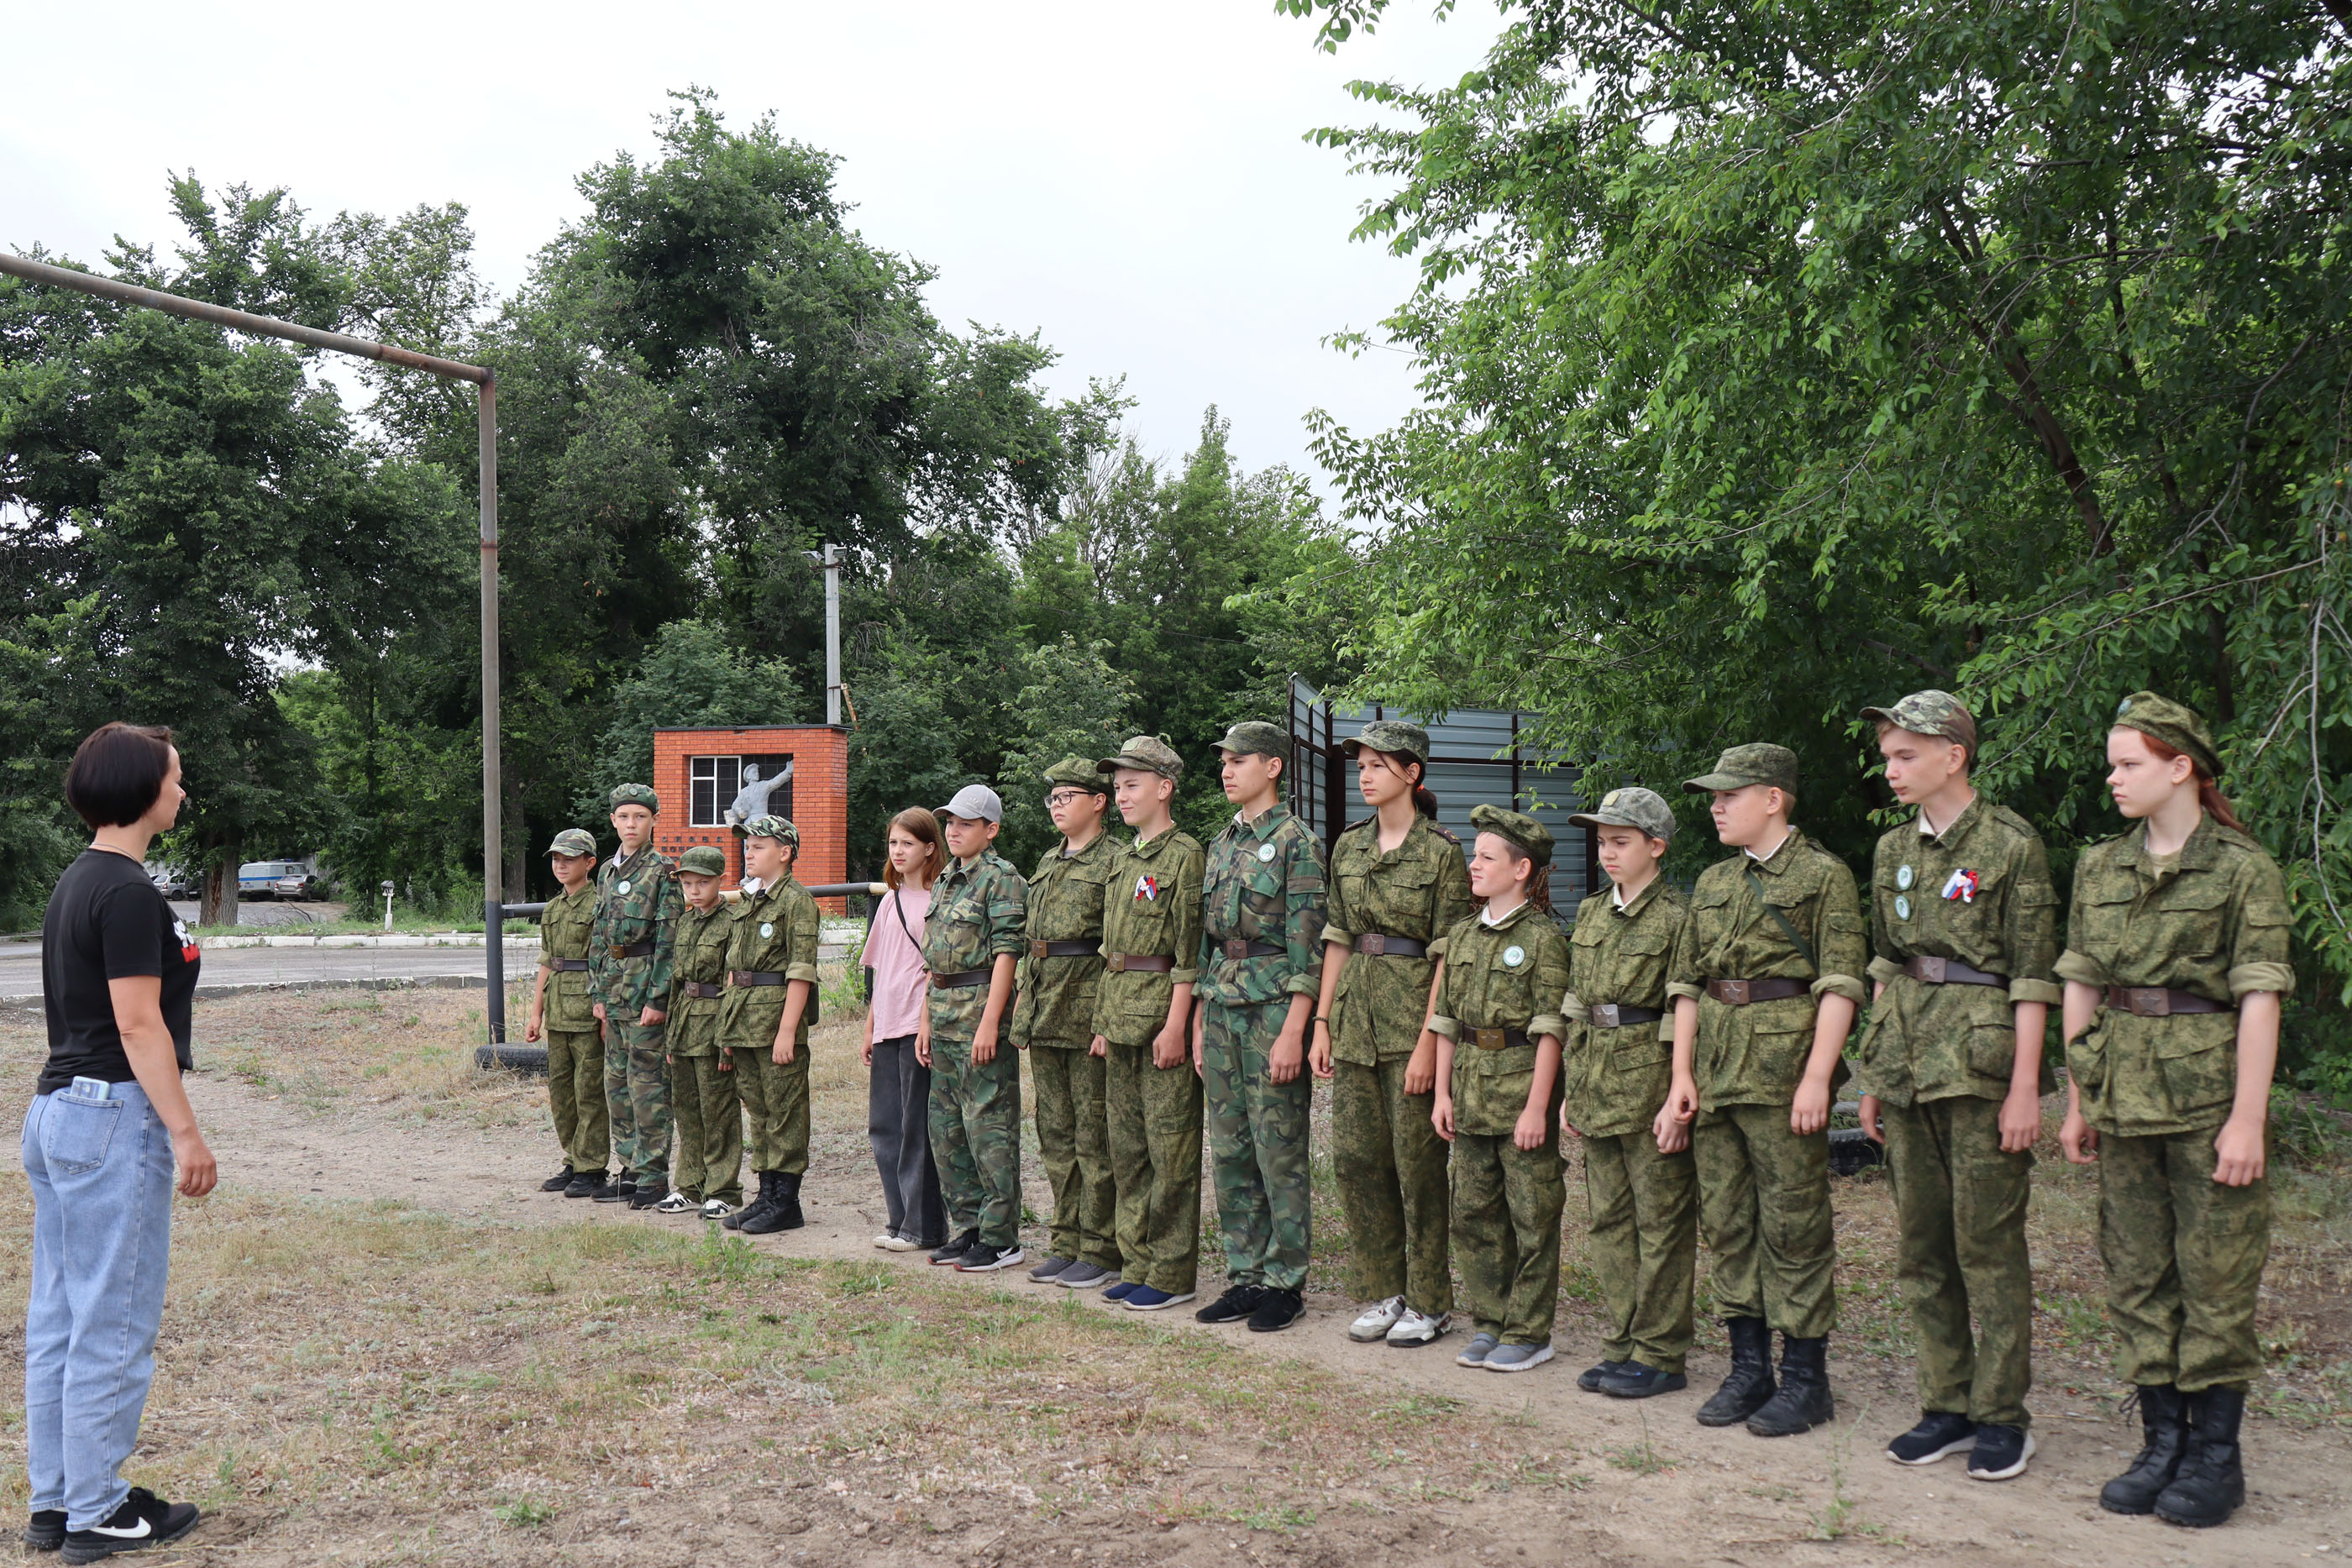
898 1090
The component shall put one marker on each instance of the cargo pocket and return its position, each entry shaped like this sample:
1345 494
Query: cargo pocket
76 1134
2198 1058
1993 1051
1797 1223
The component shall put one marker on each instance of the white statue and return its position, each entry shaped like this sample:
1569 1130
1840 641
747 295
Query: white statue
751 801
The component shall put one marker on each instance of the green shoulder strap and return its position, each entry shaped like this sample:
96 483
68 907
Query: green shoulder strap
1782 920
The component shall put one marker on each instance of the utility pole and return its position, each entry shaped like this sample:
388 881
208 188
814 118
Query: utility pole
831 558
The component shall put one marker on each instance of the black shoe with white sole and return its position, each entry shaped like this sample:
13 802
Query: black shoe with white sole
1276 1310
2001 1452
984 1258
144 1520
1237 1303
1938 1435
45 1530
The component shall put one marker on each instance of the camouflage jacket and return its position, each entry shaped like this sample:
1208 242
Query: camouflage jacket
564 933
1510 975
978 909
703 938
1617 1077
1421 889
1978 893
1755 1055
1152 907
638 903
1262 883
773 933
1056 1004
2217 925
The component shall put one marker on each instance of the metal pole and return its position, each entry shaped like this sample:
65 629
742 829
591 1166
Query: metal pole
833 633
494 925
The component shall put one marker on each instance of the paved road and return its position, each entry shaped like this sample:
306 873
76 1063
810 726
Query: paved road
20 966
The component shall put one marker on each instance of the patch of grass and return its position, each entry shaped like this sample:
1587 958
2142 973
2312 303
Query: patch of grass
523 1514
1641 1458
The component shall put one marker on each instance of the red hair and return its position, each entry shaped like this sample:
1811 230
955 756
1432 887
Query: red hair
920 825
2208 794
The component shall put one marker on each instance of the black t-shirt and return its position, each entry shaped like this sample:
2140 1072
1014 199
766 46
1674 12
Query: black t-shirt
107 922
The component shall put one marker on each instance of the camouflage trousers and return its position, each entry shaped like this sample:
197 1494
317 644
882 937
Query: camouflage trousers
636 1094
575 1097
1154 1115
710 1128
1074 1144
775 1099
976 1139
1389 1165
1644 1247
1507 1207
2184 1258
1764 1211
1257 1145
1959 1207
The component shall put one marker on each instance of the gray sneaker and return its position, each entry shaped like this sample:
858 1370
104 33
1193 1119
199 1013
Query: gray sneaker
1517 1357
1051 1270
1085 1276
1482 1346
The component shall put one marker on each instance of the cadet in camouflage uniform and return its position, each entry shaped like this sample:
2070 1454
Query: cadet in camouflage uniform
1261 971
1055 1014
1765 974
708 1174
1964 929
1392 904
629 958
1498 1094
575 1061
972 942
765 1014
2176 969
1619 1066
1151 938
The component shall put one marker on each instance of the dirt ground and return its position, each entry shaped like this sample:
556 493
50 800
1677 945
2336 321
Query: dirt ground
384 1345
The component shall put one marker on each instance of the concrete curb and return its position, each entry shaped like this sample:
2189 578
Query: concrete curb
364 983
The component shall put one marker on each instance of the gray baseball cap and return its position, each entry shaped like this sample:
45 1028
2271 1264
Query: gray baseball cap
975 802
1632 807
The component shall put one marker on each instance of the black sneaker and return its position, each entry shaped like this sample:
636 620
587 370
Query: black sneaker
557 1182
1939 1434
646 1195
144 1520
586 1184
45 1530
1638 1380
2001 1452
1238 1302
1589 1378
616 1191
946 1257
1277 1310
985 1259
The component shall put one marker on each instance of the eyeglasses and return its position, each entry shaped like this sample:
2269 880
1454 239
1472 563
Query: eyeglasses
1064 796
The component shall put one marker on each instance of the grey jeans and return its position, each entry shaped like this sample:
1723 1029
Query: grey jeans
897 1123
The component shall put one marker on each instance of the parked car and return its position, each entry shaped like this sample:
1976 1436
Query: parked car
298 885
259 879
172 882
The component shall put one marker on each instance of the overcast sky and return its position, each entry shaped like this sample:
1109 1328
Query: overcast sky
1131 180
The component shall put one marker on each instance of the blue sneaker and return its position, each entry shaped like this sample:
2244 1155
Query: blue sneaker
1144 1299
1123 1290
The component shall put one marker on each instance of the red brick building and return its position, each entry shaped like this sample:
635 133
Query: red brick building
697 773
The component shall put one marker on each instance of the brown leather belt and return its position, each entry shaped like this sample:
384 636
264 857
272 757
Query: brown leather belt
1951 972
1238 948
1086 947
635 950
705 989
754 977
1380 945
2161 1001
1617 1015
1740 993
959 981
1499 1038
1140 963
568 965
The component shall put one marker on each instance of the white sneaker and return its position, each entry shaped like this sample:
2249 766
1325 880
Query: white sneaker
891 1241
1377 1319
675 1203
717 1209
1419 1328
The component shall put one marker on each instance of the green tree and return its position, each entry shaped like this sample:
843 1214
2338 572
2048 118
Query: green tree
1071 700
690 678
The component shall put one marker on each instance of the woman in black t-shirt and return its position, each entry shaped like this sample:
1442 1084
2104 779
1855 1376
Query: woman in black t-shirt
108 1124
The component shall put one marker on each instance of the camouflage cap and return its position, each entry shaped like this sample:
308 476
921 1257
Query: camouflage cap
636 795
1632 807
1760 762
703 860
1931 712
1147 754
573 841
2177 725
1517 826
770 826
1077 773
1255 737
1392 736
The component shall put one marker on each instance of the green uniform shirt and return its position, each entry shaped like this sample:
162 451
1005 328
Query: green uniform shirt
1509 974
1056 1004
1262 883
703 938
1618 1077
1755 1055
1979 894
564 933
1421 889
638 900
978 909
773 933
2215 925
1152 907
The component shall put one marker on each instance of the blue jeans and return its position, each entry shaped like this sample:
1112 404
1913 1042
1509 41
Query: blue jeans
101 1174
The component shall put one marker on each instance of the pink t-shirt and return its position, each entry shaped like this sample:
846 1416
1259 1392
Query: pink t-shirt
897 962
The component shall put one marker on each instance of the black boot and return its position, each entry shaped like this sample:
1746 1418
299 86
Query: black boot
2164 1438
779 1207
1803 1401
1750 1384
2213 1479
763 1201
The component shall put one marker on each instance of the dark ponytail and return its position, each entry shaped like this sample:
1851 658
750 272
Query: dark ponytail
1423 801
2209 793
